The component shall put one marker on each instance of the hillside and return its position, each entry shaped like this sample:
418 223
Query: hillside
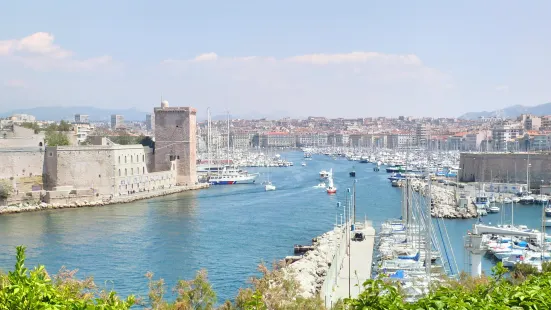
511 112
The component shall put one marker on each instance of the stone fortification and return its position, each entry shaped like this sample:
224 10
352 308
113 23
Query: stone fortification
21 162
505 167
107 170
175 140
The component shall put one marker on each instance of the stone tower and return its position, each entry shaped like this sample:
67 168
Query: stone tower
175 140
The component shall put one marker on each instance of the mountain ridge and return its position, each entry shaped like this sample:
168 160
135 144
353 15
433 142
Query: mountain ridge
511 112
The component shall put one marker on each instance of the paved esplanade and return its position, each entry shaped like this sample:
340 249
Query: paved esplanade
361 255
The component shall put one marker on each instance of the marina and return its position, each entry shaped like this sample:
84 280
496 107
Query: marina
225 229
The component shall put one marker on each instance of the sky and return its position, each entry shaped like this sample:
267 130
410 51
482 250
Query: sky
296 58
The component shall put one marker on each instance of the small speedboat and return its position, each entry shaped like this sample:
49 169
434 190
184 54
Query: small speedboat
507 200
269 187
321 185
548 211
352 173
303 164
493 209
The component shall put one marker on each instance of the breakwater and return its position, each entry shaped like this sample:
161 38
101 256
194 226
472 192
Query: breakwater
21 207
444 200
311 270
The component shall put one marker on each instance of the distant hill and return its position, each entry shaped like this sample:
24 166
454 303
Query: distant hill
511 112
67 113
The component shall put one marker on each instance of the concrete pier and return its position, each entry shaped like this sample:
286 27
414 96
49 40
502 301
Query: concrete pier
352 266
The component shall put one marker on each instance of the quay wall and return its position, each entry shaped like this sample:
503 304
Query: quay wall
503 167
21 162
64 201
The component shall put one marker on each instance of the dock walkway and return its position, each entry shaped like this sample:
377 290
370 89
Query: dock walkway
354 268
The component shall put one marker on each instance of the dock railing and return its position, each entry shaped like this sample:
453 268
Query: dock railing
332 277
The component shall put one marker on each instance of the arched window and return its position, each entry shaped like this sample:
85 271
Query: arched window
119 172
119 159
137 158
143 170
125 160
125 172
39 143
131 158
131 171
143 157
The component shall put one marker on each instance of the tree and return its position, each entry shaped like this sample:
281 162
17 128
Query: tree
64 126
31 125
124 139
55 138
146 141
6 189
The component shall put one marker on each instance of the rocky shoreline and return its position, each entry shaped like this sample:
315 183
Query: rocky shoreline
444 200
310 271
98 203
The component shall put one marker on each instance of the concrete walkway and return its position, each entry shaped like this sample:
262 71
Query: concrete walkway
359 261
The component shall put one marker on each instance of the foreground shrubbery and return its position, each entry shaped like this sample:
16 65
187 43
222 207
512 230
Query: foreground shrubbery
526 288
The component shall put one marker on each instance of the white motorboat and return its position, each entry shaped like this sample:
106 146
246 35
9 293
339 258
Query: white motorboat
269 187
493 209
507 200
324 174
321 185
303 164
527 199
516 199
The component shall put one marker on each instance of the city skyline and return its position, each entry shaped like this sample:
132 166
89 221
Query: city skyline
419 59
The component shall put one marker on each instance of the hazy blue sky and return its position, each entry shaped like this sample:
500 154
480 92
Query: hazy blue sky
331 58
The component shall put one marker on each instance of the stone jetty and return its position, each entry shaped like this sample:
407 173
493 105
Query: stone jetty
311 269
444 199
98 203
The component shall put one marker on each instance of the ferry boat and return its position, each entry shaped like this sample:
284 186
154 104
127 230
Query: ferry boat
230 176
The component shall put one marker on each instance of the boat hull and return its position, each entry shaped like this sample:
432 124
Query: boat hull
231 182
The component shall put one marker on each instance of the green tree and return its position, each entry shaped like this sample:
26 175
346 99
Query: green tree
55 138
31 125
146 141
6 189
124 139
64 126
197 293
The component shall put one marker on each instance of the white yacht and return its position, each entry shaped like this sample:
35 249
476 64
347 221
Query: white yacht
229 176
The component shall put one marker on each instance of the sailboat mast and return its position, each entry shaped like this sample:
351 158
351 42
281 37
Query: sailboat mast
228 142
208 141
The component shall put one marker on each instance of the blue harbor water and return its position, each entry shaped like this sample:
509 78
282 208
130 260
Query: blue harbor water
227 230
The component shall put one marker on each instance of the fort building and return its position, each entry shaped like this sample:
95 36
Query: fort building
175 140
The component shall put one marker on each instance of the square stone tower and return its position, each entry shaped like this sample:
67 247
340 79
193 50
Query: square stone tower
175 140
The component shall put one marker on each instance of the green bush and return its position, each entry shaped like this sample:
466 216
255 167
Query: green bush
24 289
56 138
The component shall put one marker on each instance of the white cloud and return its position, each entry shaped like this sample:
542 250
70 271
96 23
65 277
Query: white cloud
342 84
38 51
355 57
206 57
